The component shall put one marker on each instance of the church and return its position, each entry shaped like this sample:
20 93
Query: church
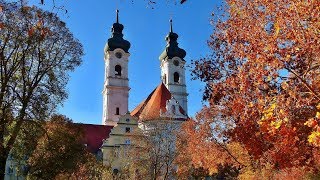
166 103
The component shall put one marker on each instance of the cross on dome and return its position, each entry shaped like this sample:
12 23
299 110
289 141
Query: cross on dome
171 25
117 11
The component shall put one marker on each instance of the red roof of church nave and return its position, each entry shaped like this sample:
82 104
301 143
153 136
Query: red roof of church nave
94 135
155 103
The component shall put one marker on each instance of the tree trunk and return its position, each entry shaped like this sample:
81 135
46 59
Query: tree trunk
3 152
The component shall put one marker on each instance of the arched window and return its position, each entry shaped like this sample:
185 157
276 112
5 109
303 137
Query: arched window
117 111
173 109
117 69
176 77
115 171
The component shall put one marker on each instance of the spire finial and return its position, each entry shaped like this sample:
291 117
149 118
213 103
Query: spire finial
117 15
171 25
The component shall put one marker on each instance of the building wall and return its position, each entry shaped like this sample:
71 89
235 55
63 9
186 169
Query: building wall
177 89
116 87
11 170
114 148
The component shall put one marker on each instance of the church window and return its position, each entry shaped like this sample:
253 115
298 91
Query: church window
10 169
173 109
115 171
115 153
99 155
176 77
118 70
117 111
128 129
118 55
127 141
165 79
176 62
128 120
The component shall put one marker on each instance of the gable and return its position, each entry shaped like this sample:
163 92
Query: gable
155 104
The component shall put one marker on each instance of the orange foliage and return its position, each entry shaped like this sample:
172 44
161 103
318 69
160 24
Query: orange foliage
59 148
198 148
263 81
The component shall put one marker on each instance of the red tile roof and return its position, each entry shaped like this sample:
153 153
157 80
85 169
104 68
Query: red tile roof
94 135
155 103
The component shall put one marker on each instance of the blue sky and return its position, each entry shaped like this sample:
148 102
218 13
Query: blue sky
145 28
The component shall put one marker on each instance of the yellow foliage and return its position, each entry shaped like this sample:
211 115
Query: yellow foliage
250 173
269 78
268 113
284 85
307 123
239 152
247 173
213 170
277 29
234 9
273 106
281 111
318 115
276 124
314 138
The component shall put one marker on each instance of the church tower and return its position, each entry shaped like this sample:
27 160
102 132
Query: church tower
116 83
173 69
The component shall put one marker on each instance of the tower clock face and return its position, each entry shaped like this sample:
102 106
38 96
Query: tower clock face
118 55
176 62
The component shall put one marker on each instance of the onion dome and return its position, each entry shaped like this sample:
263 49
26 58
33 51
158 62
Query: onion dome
116 40
172 49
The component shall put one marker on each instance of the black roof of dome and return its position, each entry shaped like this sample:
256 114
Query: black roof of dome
116 40
172 49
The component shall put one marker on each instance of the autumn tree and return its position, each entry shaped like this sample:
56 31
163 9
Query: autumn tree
89 168
54 149
155 150
59 149
203 151
25 144
36 53
263 80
